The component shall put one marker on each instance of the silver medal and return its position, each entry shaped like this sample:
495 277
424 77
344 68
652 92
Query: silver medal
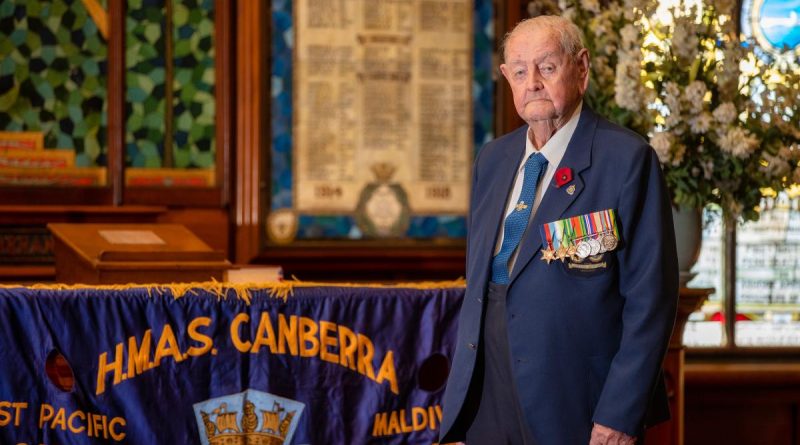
594 245
584 249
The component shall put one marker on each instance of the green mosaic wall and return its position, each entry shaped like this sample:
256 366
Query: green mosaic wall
53 75
145 74
193 86
192 102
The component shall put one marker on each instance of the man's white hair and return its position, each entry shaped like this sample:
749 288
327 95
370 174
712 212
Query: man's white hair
570 36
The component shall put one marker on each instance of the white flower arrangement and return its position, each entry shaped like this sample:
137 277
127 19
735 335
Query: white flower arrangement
724 123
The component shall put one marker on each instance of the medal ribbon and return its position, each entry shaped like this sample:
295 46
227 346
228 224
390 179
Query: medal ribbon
547 235
559 238
612 217
568 231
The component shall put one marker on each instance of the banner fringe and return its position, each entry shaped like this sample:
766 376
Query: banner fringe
277 289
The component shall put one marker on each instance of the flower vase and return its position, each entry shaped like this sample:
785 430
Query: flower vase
688 237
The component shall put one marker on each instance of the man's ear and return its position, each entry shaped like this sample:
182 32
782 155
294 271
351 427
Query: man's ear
504 70
582 60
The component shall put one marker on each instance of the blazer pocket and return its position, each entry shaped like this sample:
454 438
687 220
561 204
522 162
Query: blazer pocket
590 267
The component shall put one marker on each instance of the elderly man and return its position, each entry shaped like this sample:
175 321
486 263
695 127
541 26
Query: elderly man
571 266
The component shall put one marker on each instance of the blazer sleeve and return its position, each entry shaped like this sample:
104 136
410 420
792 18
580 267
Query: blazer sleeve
648 283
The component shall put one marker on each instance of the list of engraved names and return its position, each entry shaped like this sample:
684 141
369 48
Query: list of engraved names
382 94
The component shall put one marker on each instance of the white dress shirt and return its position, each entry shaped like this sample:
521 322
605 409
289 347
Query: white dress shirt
553 150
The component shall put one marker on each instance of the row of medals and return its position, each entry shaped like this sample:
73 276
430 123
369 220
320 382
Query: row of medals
586 247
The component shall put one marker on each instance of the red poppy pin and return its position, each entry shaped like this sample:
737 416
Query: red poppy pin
563 176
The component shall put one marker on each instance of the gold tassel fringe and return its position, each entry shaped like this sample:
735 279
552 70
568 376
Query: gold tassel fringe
277 289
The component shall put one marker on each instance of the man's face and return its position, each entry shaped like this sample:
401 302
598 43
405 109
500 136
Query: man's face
546 83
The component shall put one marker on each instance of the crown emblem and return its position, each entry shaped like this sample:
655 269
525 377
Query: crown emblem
258 422
383 171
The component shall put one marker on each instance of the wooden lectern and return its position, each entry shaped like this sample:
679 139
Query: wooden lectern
133 253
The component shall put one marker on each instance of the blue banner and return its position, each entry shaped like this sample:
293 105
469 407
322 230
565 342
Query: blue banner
213 365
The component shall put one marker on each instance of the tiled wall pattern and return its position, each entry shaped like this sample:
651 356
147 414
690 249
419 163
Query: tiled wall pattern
53 76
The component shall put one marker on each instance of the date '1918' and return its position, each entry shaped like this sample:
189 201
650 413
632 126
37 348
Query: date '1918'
438 192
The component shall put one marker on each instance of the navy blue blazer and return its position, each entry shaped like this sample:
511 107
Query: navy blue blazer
586 344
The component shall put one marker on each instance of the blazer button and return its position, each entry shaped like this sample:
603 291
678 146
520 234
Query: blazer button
472 346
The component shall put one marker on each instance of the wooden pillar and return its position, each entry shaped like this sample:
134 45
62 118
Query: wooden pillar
116 100
223 94
251 120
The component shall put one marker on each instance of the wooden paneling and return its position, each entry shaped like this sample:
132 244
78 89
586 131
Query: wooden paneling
755 375
25 243
742 403
210 225
26 275
42 214
174 196
740 424
367 263
55 195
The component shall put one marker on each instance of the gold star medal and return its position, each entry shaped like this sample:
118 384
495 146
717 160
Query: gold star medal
550 238
561 253
572 250
548 255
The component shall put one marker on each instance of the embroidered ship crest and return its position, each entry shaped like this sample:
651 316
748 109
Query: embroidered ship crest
250 417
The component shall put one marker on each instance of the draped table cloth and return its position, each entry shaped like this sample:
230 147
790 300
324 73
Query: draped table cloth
293 363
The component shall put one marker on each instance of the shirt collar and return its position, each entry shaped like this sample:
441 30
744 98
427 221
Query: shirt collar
554 149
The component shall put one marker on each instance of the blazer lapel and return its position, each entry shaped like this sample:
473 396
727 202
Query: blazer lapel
556 200
492 208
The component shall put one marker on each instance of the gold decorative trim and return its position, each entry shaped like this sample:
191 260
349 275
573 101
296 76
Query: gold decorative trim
281 289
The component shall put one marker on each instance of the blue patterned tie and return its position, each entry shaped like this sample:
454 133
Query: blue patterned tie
516 222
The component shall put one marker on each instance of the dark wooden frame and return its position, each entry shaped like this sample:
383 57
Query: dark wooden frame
116 193
342 260
217 196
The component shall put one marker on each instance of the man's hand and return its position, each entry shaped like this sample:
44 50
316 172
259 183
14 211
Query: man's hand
603 435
